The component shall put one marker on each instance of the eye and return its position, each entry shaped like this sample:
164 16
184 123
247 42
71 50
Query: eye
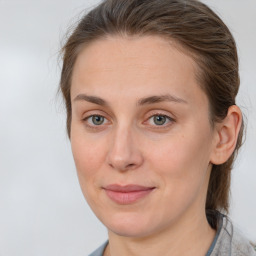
94 120
97 121
160 119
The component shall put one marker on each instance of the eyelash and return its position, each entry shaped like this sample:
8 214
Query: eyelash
96 127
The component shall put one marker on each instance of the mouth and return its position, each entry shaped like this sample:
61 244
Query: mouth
127 194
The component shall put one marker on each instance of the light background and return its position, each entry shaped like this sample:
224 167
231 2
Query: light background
42 210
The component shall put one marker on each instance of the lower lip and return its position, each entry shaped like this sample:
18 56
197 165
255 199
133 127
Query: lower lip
128 197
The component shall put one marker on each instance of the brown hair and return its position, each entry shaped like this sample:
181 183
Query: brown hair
199 32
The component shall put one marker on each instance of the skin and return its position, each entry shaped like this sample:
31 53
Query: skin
129 147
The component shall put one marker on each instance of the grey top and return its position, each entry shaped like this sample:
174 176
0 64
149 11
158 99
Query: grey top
228 241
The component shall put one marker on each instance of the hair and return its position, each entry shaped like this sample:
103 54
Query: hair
198 31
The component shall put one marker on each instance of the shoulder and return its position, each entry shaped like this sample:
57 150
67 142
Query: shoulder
231 241
241 245
99 251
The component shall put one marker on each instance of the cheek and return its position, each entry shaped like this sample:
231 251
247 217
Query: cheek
182 161
182 168
88 158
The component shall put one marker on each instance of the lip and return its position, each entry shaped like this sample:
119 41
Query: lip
127 194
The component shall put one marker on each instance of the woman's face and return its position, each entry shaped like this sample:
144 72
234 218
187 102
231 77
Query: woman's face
140 118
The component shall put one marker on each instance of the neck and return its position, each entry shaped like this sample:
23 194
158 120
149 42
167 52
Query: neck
188 236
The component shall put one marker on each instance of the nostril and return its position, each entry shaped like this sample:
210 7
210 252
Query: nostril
122 166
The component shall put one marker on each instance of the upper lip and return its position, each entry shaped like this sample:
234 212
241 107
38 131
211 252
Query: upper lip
127 188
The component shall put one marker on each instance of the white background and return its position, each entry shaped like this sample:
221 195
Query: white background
42 210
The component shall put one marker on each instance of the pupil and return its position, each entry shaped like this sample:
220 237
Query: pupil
97 120
159 120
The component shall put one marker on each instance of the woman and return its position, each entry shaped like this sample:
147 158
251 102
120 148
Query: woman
150 90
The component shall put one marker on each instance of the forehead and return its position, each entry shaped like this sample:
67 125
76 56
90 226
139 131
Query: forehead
120 52
130 63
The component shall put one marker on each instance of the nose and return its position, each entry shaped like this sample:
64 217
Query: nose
124 153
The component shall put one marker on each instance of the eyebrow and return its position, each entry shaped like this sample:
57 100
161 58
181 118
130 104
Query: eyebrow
141 102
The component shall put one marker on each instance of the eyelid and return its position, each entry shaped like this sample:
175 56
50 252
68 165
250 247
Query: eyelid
95 112
160 112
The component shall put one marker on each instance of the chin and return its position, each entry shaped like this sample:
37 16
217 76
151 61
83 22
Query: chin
127 231
130 226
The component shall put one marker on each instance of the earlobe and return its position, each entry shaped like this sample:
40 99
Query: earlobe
226 136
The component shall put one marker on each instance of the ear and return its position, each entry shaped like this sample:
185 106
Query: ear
226 134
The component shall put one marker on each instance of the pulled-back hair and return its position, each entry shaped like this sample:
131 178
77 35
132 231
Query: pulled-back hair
198 31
